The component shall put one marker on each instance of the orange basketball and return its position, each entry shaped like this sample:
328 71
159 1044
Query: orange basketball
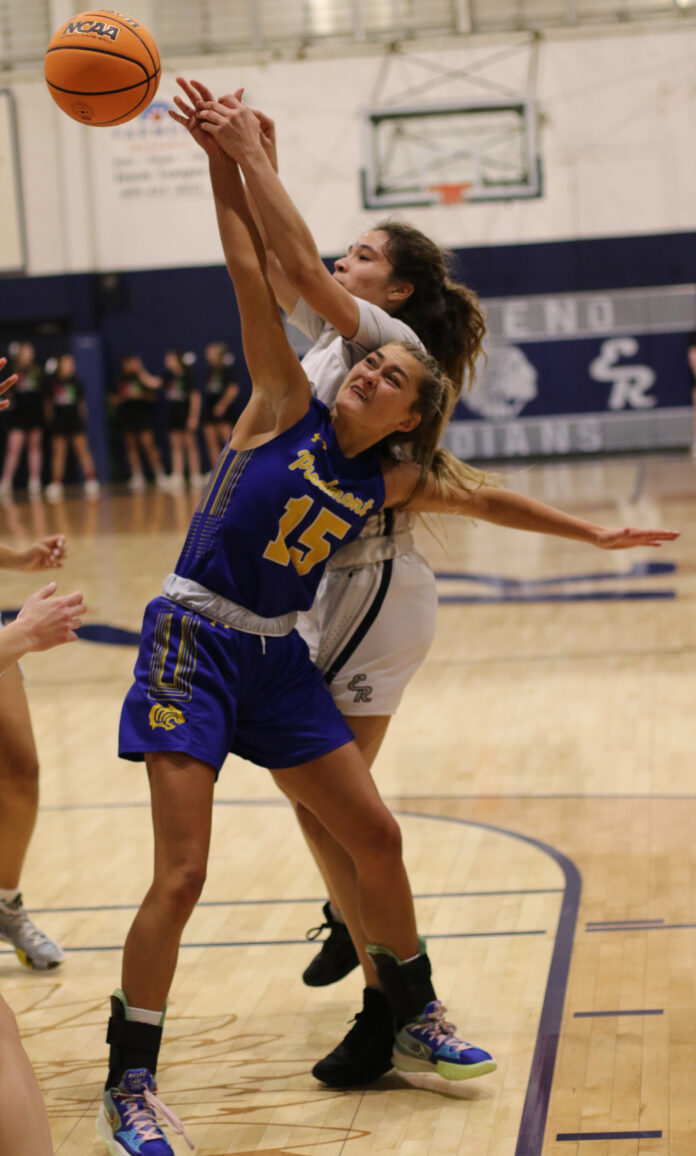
102 68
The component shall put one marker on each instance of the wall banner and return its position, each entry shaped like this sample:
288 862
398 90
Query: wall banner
580 373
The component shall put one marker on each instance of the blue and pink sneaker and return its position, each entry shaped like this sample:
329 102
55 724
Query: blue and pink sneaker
431 1045
127 1121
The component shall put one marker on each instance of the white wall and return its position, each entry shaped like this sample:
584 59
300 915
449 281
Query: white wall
617 117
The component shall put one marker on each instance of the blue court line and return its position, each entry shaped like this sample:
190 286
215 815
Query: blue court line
287 902
648 1011
642 927
608 1136
621 922
595 596
294 942
638 570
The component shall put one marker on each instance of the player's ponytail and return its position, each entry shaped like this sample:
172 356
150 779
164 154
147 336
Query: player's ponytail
446 316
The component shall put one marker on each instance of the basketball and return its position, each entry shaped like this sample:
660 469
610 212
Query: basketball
102 68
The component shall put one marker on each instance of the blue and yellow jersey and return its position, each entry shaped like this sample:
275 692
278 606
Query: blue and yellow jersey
271 517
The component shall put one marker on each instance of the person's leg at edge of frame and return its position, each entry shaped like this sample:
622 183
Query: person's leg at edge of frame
340 792
24 1128
181 791
19 802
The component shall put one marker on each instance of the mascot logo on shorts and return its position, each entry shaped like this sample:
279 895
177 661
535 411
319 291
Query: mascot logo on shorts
166 717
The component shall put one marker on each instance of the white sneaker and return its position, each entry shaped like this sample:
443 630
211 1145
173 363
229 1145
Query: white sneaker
197 481
34 487
136 483
91 488
175 484
33 948
54 492
161 481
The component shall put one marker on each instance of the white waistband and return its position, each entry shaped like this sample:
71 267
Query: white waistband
211 605
368 551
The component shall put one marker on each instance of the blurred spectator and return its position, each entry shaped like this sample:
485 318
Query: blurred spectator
221 399
136 390
25 420
183 413
66 417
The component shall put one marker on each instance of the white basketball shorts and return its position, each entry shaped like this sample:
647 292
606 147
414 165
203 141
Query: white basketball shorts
369 630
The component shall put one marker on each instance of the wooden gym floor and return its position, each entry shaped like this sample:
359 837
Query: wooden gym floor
542 769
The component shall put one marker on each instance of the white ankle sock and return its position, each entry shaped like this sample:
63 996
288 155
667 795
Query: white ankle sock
141 1015
7 894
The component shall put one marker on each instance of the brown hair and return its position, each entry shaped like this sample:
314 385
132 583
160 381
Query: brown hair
446 316
437 397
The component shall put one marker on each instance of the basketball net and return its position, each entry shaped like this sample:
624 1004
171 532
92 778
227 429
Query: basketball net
451 194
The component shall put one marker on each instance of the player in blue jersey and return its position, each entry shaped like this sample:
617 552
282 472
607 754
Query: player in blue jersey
220 667
373 619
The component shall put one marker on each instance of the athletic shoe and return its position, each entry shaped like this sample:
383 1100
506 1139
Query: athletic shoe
337 956
366 1052
161 482
431 1044
54 492
33 948
136 483
127 1120
34 487
92 488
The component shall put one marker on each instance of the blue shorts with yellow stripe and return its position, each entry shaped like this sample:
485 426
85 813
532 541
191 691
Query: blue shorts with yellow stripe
205 689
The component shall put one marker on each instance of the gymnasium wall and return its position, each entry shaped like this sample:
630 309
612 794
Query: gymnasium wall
122 248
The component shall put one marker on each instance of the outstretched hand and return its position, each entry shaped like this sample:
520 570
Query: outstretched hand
6 384
197 95
49 621
233 125
625 537
46 554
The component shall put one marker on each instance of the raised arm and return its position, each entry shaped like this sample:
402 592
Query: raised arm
196 93
238 132
506 508
280 390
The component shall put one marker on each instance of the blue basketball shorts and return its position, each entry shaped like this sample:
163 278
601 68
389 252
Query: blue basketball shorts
205 689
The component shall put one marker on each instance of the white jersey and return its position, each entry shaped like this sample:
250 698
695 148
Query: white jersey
373 619
331 357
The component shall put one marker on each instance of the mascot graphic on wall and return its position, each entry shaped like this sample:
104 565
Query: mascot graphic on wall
505 383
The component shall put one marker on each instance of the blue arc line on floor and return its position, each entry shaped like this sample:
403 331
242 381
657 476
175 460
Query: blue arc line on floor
530 1137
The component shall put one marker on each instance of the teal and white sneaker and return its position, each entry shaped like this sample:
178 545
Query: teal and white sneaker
127 1120
33 948
431 1045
